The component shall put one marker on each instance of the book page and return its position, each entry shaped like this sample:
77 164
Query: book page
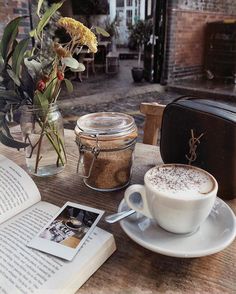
17 189
26 271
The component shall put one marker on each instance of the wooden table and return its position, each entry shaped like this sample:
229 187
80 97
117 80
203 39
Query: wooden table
133 269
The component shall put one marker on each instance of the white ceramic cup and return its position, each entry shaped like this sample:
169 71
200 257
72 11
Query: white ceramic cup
173 213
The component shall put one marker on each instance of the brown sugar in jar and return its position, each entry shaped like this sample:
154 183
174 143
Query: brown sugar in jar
106 142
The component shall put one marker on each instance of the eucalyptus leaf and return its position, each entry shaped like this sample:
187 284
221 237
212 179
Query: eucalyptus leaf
13 77
9 35
18 55
9 142
46 17
27 81
102 32
4 126
32 33
41 100
40 2
9 96
2 64
1 60
70 62
33 66
48 93
14 44
69 86
80 68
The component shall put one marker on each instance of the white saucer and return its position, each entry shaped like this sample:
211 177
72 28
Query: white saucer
215 234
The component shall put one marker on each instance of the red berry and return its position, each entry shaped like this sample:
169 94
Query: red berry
60 75
41 85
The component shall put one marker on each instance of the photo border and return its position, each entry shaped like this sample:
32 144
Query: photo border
58 249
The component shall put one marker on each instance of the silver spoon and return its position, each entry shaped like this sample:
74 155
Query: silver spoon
113 218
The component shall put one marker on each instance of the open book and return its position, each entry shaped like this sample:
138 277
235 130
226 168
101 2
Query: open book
22 214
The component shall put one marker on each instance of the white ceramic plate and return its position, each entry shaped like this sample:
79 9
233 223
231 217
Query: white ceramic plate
215 234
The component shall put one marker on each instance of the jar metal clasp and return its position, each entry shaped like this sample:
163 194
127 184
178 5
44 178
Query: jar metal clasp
82 149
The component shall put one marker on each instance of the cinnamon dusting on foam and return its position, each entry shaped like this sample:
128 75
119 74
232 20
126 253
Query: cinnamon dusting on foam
180 180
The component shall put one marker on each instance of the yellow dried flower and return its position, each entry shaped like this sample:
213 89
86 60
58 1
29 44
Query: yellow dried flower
80 33
61 52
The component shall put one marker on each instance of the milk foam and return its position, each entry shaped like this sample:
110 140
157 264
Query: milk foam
180 181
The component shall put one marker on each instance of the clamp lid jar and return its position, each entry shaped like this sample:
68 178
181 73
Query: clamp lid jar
106 142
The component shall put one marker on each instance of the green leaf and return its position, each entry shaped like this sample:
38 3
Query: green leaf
28 84
40 2
18 55
102 32
32 33
69 86
33 66
13 76
1 60
70 62
11 142
9 96
46 17
4 126
50 88
41 100
80 68
9 35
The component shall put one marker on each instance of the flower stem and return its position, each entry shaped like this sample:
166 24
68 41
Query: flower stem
39 148
55 142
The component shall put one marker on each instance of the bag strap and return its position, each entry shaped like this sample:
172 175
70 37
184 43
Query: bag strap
184 97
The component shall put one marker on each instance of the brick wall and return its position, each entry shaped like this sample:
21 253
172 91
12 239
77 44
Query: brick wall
221 6
185 34
10 9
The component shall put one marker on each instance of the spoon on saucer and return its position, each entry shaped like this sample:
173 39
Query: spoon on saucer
113 218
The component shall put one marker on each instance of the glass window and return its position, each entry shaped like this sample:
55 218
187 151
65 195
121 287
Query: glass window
120 3
129 2
129 15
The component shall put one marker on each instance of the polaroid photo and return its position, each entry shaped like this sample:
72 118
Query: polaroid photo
64 235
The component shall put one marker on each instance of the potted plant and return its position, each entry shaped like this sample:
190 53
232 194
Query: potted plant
139 35
31 77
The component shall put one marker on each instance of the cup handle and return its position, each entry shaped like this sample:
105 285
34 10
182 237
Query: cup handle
131 199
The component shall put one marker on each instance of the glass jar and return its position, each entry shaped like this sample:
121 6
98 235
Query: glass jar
43 130
106 142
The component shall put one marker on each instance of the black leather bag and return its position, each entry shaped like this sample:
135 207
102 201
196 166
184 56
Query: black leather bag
202 133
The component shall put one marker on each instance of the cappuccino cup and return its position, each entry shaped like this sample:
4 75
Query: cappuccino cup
179 197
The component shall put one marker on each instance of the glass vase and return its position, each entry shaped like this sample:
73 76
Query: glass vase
43 130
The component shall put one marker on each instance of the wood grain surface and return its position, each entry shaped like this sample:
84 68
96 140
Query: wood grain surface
133 269
153 118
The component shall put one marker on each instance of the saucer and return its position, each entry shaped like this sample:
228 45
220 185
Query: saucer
215 234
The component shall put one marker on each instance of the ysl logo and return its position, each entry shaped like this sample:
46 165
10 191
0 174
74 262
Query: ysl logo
193 144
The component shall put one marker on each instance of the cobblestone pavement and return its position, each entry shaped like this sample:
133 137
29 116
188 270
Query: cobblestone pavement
129 105
119 93
115 93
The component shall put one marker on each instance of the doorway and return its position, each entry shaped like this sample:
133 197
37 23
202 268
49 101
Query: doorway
154 49
128 12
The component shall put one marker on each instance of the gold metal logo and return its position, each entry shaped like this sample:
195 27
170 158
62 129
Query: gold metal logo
193 144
